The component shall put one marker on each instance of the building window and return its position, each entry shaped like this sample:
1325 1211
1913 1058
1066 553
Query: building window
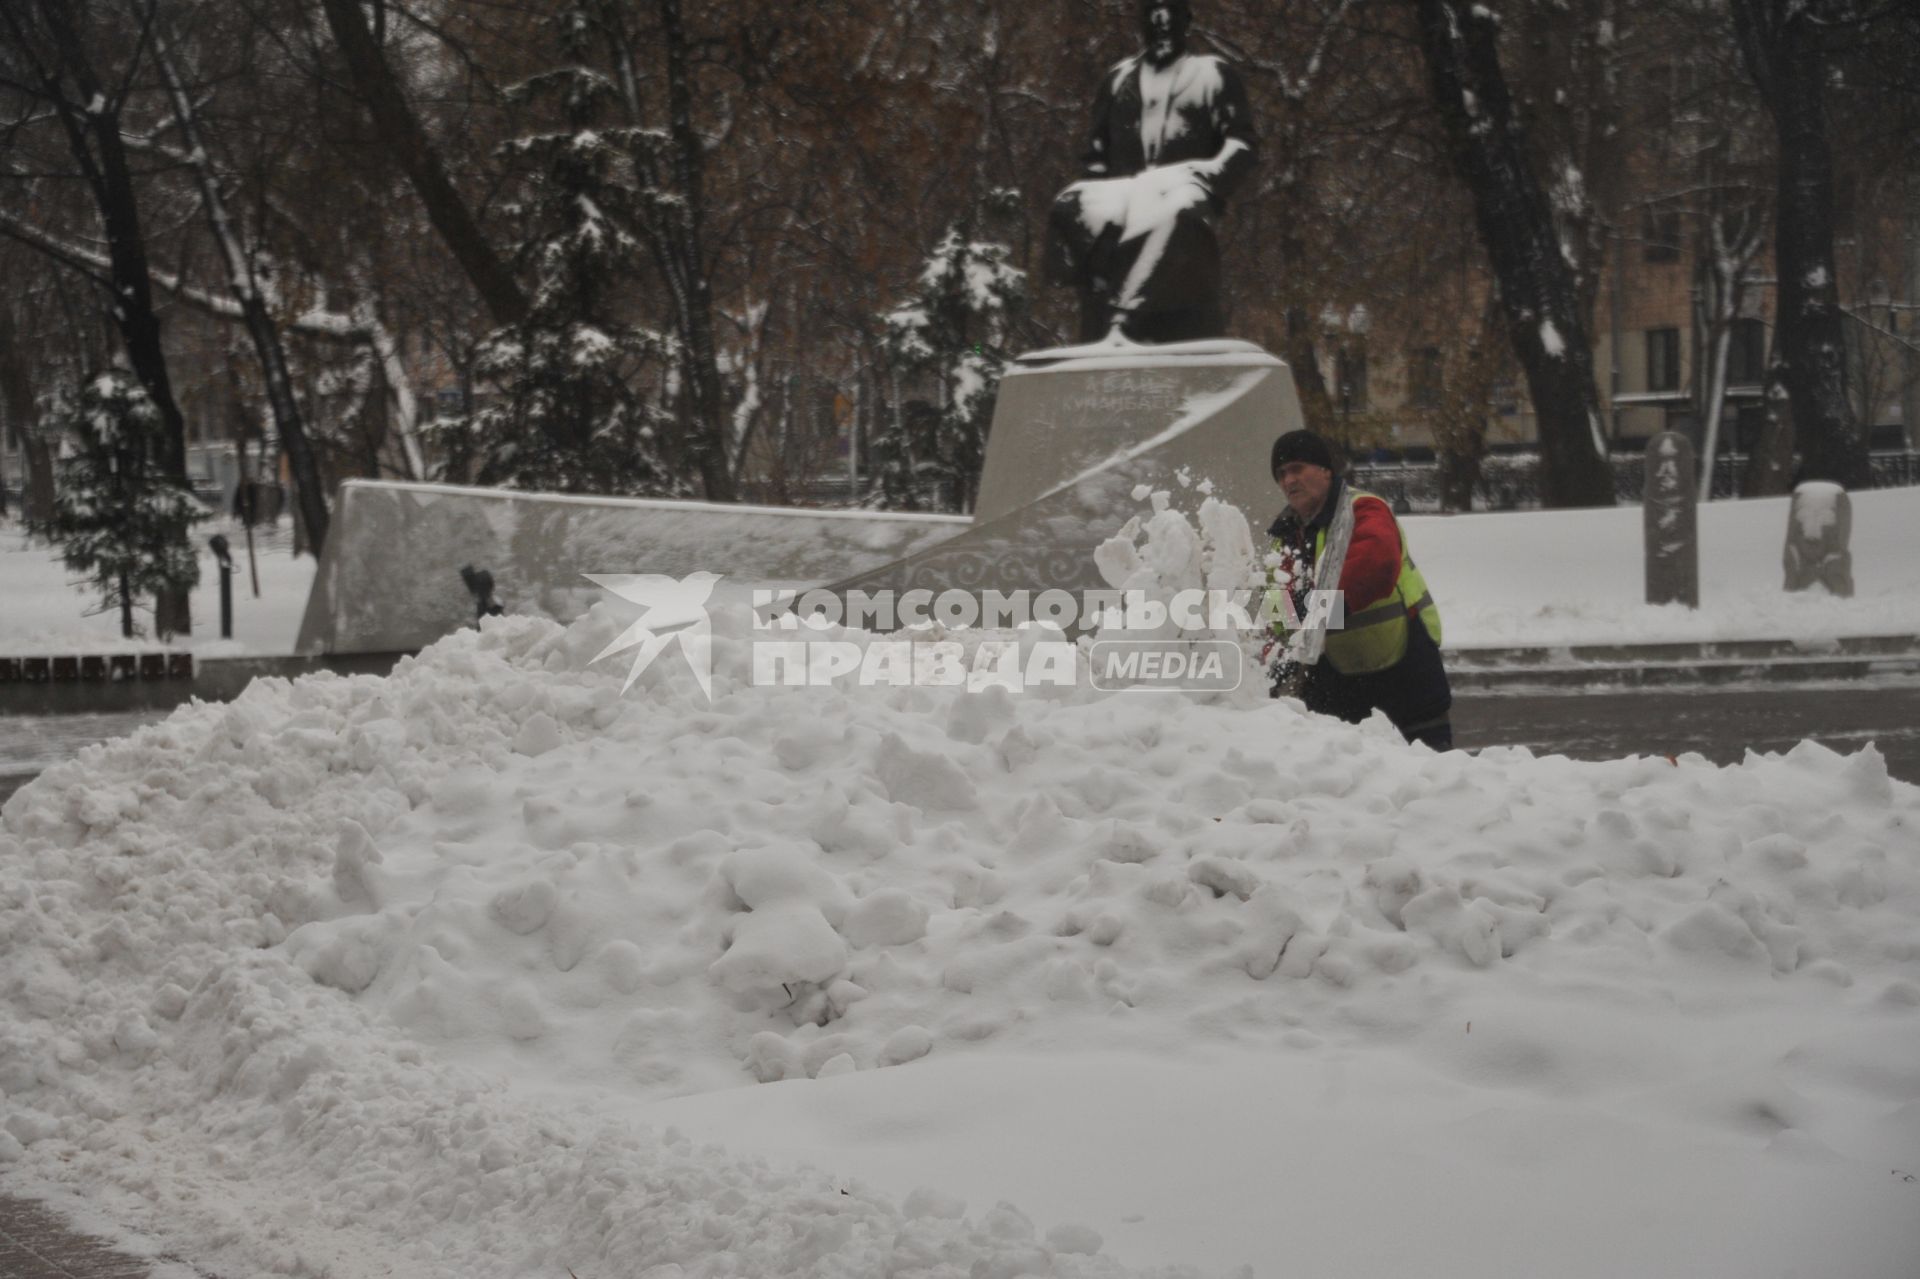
1660 233
1350 378
1424 379
1747 353
1504 398
1663 359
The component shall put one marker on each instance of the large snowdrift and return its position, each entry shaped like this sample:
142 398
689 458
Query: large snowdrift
415 975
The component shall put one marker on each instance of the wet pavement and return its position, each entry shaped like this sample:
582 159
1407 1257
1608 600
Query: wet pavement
32 743
65 1239
1721 723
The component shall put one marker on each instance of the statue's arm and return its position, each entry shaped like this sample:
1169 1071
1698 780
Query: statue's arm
1233 123
1096 161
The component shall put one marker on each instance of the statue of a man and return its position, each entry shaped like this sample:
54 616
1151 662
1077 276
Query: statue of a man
1172 139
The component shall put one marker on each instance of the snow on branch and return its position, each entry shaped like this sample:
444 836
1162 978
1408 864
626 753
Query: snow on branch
329 326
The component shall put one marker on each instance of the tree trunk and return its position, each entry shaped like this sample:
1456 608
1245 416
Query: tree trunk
675 238
1780 42
695 299
1769 470
1459 414
111 183
1316 405
1538 295
1716 409
16 398
264 333
36 507
1459 478
407 145
300 539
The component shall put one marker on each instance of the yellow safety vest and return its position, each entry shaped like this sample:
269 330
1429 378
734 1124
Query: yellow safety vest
1376 637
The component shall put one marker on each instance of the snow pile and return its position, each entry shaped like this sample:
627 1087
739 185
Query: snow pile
359 976
1176 580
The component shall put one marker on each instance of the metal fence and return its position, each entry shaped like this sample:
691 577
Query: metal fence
1508 481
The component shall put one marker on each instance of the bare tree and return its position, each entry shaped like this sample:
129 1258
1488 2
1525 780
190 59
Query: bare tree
407 144
675 228
1732 235
1539 295
244 284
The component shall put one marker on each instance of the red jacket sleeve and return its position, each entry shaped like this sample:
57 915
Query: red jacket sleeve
1373 555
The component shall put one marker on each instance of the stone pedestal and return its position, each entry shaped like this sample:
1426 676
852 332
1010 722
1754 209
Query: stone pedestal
1671 522
1064 412
1077 431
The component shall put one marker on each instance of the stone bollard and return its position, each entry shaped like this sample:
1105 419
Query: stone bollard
1819 528
1671 522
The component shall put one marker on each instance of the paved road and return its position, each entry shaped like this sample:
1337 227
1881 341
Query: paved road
37 1242
29 743
1722 724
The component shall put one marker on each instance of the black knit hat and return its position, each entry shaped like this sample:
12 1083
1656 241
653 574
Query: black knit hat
1301 446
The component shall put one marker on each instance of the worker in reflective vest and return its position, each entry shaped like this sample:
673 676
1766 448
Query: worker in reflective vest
1386 654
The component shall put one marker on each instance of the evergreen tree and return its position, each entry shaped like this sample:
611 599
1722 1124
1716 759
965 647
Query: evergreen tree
955 330
117 516
569 415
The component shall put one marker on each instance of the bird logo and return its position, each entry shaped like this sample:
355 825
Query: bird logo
674 608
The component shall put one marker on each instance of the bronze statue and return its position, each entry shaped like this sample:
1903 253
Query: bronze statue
1172 139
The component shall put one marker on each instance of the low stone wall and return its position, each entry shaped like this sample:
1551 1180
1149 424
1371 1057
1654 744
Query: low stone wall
389 579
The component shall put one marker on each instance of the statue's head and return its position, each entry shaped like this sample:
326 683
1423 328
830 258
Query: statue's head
1163 29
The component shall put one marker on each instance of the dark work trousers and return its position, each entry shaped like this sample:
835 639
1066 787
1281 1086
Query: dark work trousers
1413 692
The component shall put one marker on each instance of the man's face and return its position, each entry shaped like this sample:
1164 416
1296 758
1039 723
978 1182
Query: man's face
1305 486
1163 26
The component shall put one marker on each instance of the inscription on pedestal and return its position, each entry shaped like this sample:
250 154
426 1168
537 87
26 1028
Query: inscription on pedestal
1109 394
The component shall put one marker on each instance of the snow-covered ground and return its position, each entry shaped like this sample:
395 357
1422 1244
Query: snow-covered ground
1578 577
47 612
484 969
